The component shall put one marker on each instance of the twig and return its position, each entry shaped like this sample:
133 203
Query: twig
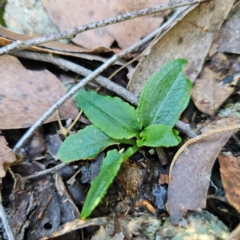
43 172
19 45
185 128
65 64
5 221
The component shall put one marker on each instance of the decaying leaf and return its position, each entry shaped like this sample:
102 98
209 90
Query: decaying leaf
189 38
230 174
228 38
213 87
191 172
25 95
6 157
66 15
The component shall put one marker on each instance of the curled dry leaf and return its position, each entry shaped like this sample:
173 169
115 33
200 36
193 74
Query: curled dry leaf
191 172
230 173
228 37
6 157
25 95
66 15
186 39
213 87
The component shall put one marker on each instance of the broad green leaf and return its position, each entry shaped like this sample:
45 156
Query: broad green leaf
114 117
165 95
109 169
86 144
159 136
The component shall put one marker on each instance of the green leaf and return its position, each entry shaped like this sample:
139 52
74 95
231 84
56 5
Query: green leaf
165 95
114 117
159 136
86 144
109 169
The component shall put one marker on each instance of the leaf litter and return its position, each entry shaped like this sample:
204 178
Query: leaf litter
230 172
203 171
186 39
192 170
26 95
104 37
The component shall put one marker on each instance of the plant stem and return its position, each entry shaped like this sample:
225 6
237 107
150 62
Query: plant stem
127 141
134 148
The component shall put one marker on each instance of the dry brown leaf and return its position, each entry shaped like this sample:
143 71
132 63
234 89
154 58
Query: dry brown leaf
25 95
66 15
191 172
6 157
230 174
212 88
228 38
186 39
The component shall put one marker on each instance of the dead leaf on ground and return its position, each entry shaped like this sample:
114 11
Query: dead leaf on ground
43 202
25 95
213 87
230 174
66 15
6 157
186 39
192 170
228 37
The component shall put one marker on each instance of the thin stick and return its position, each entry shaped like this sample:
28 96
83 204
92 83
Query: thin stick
43 172
19 45
5 221
65 64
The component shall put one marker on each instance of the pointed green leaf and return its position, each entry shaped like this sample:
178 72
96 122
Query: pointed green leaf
165 95
109 169
86 144
114 117
159 136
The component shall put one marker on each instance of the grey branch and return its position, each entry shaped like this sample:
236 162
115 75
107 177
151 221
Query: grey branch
65 64
5 221
71 33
